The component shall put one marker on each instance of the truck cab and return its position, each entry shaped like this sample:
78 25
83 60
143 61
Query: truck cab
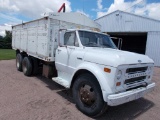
90 64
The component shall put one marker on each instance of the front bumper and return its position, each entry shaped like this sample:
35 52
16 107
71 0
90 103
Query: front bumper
120 98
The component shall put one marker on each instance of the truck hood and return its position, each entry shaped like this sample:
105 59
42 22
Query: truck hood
114 57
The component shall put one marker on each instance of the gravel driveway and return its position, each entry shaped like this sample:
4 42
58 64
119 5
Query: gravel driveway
38 98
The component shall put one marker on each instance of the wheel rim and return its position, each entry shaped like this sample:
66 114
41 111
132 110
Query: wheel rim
87 95
24 67
17 63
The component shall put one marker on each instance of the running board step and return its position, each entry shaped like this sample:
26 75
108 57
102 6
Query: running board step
61 81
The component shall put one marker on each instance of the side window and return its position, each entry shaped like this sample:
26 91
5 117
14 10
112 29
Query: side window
84 40
70 39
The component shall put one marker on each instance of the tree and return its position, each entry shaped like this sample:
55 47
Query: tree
1 41
5 42
8 37
1 37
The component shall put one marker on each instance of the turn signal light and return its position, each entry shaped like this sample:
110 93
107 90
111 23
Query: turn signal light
118 83
107 70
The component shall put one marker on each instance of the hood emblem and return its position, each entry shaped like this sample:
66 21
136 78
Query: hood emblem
139 61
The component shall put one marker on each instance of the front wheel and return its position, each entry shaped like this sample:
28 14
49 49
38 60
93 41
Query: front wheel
87 95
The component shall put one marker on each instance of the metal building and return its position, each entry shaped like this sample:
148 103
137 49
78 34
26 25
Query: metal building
140 34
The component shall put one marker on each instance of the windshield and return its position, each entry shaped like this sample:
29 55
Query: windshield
91 39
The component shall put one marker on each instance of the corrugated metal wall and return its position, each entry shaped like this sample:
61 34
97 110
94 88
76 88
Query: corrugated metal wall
153 47
125 22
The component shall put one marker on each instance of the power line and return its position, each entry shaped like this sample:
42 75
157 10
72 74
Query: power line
134 5
9 18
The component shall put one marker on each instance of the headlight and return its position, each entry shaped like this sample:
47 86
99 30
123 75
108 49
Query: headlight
119 74
149 69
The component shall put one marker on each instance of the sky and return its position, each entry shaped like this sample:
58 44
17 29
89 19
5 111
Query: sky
13 12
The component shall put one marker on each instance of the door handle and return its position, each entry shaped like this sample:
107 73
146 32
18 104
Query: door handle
79 58
72 48
59 50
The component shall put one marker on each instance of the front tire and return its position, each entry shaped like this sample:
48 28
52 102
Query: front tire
27 66
87 95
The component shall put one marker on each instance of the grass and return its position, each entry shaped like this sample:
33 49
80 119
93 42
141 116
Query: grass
7 54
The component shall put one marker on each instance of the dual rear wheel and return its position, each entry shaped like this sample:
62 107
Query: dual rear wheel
19 59
28 65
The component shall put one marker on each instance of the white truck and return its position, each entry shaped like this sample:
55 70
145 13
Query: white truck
73 52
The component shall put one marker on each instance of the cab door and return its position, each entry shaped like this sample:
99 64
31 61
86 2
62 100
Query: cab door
66 54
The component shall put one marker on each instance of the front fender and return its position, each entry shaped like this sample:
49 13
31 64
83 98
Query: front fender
98 71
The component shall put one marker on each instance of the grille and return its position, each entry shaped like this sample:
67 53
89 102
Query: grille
132 80
133 70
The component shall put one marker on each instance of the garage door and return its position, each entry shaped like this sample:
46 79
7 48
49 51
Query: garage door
133 42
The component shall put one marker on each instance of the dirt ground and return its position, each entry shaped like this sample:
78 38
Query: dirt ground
38 98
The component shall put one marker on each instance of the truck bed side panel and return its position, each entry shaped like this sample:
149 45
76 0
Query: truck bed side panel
17 39
23 45
33 38
42 40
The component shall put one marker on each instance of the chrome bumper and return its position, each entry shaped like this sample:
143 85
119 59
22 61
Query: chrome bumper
120 98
